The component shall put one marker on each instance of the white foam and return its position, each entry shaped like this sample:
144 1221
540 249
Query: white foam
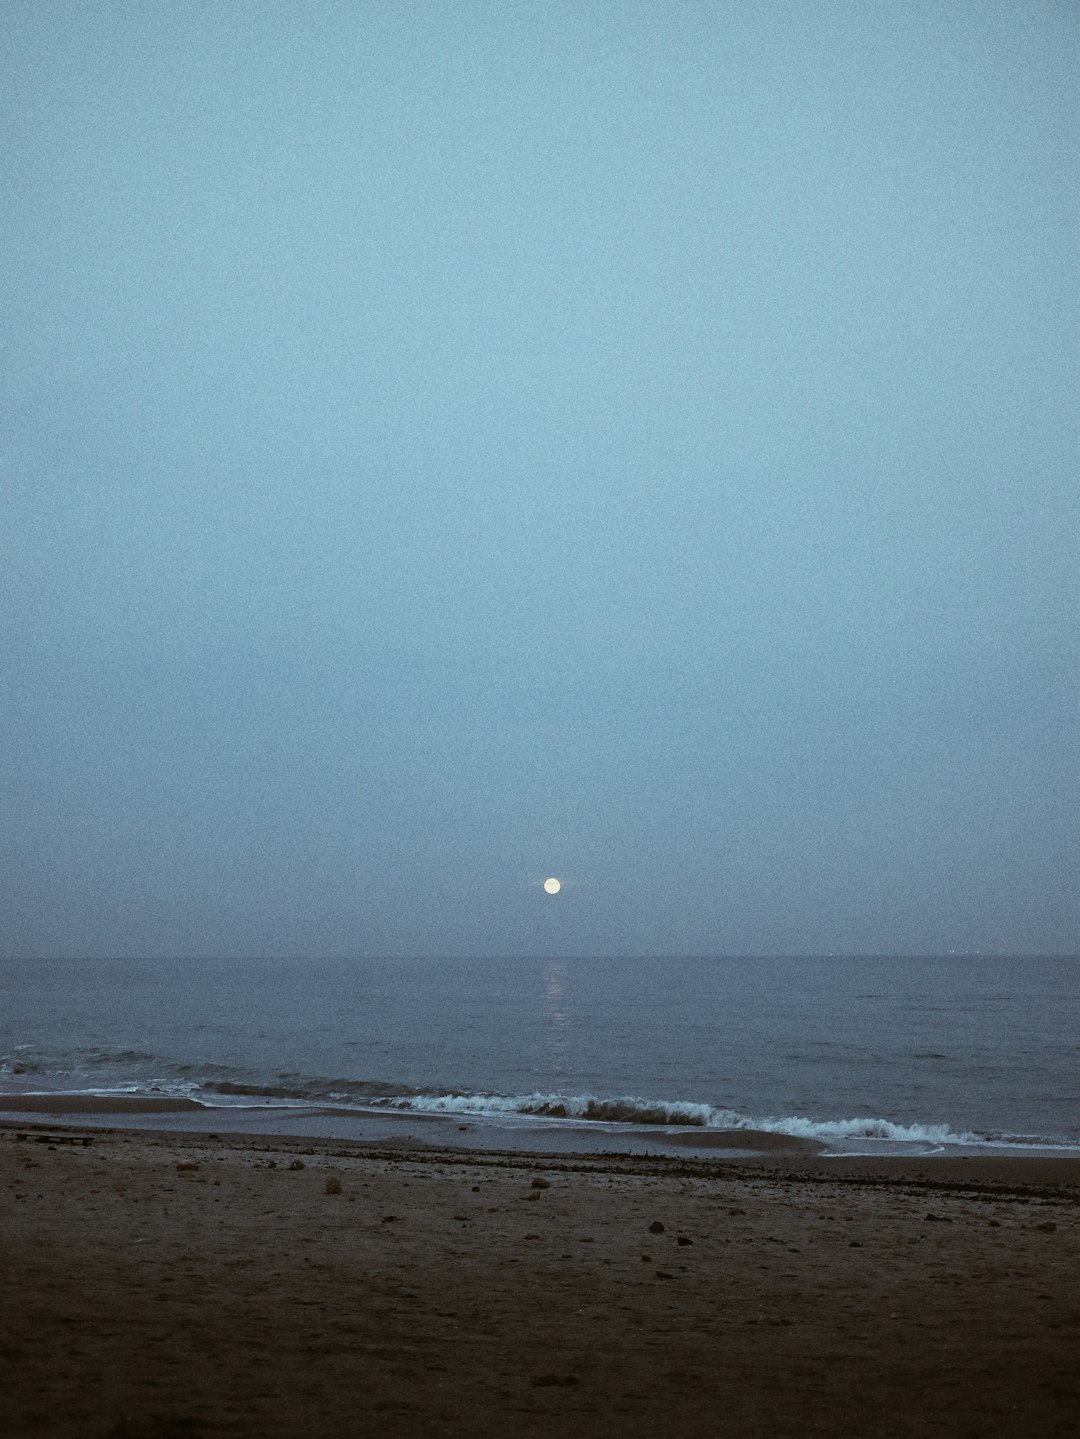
629 1109
620 1110
865 1127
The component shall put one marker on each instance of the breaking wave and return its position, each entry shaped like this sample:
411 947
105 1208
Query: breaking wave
867 1128
629 1110
135 1071
555 1106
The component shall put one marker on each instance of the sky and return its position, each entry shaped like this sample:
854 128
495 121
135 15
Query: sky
444 445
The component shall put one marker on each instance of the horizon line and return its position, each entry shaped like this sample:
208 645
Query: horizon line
527 955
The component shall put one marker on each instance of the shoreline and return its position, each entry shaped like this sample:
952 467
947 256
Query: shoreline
522 1134
158 1283
335 1122
572 1151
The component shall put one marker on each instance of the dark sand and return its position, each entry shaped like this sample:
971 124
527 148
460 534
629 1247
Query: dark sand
100 1106
157 1285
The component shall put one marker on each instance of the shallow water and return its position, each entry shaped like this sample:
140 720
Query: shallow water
927 1050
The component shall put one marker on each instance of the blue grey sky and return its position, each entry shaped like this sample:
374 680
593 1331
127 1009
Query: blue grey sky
444 445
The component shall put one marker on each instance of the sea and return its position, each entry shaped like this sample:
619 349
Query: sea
867 1054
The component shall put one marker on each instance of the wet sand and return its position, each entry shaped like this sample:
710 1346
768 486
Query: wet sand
156 1285
524 1134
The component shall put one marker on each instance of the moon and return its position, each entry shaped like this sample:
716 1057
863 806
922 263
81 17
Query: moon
552 885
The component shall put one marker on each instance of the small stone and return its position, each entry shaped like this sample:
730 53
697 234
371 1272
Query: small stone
1048 1227
682 1239
540 1183
736 1211
296 1164
186 1168
333 1184
656 1227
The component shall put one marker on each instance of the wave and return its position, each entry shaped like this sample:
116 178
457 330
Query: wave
868 1128
555 1106
26 1059
130 1071
633 1110
286 1086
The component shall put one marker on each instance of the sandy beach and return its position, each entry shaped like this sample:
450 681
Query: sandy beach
160 1284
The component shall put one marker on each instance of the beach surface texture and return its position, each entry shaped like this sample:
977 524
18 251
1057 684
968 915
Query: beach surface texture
156 1285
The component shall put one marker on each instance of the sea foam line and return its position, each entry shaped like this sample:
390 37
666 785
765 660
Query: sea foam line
633 1110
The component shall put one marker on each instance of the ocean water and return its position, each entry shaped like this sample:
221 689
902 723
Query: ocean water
859 1052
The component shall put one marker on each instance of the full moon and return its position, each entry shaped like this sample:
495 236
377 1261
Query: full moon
552 885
